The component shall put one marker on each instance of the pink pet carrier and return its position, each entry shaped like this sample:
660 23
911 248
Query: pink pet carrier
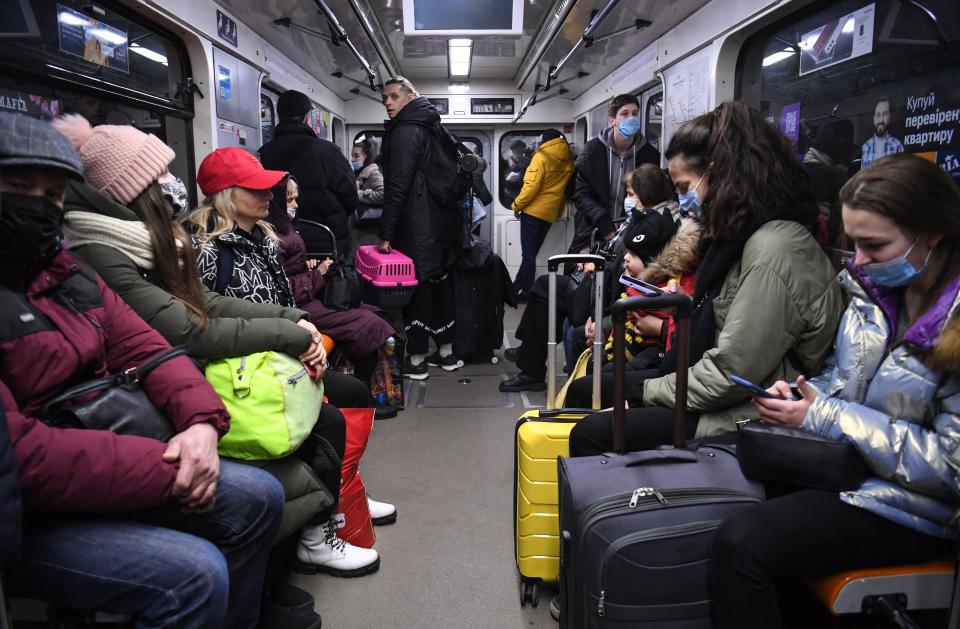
389 279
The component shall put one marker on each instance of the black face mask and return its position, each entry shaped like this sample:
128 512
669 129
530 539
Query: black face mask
29 227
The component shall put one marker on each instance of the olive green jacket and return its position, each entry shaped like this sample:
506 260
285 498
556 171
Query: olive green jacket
776 317
234 328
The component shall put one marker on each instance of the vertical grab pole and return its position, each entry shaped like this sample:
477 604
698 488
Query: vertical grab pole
683 364
552 339
619 393
598 337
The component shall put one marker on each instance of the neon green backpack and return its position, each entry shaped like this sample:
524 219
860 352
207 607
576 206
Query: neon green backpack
272 400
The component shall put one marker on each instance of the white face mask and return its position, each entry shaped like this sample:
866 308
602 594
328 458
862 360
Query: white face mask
292 211
629 205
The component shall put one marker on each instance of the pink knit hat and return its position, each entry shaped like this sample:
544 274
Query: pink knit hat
118 160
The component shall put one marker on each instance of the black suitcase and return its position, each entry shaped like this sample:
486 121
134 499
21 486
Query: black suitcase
479 298
636 529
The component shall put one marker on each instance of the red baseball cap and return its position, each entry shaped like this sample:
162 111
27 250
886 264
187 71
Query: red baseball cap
231 166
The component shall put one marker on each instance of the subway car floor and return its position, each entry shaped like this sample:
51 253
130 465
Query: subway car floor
447 463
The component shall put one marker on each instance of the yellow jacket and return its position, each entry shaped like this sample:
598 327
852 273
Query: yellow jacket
544 189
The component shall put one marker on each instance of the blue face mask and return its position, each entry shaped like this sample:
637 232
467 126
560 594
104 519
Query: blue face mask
357 165
629 127
690 201
629 205
896 272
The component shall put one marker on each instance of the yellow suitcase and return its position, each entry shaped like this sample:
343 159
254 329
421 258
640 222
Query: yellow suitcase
541 436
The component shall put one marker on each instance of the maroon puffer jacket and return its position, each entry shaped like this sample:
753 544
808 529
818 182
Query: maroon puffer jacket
70 328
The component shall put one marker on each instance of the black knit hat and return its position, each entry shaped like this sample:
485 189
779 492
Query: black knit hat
648 234
293 104
550 134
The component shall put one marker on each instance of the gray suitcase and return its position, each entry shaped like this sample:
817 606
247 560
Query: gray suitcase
636 529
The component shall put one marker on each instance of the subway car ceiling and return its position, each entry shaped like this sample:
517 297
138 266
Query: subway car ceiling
206 72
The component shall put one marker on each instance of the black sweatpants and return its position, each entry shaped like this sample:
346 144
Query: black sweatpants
647 428
430 313
807 533
580 392
532 331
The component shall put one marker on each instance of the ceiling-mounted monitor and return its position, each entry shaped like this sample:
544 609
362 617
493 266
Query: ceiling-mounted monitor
446 18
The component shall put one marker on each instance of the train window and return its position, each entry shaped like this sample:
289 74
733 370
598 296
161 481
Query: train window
861 80
653 120
268 118
46 102
599 120
516 149
580 137
109 45
374 135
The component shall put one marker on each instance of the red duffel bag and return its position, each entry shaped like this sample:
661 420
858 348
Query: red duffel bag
353 514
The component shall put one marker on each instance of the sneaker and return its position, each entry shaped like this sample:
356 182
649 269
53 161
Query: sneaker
415 372
381 512
384 411
511 353
447 363
522 382
555 608
320 550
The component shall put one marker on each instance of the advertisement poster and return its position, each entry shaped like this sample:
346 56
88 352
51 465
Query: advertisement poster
790 121
42 107
919 117
846 38
92 40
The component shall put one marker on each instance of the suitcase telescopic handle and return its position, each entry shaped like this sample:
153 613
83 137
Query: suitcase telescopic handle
553 263
682 306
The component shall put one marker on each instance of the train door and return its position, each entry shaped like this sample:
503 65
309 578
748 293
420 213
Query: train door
651 115
479 142
514 153
105 63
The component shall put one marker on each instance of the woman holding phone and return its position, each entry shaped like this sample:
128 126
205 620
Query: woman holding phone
892 388
766 304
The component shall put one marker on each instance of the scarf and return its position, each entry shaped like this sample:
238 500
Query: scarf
717 257
131 238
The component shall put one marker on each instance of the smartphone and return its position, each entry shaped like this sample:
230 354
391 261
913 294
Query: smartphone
756 389
648 290
311 370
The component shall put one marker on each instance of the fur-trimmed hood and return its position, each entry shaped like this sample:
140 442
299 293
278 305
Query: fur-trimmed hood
678 257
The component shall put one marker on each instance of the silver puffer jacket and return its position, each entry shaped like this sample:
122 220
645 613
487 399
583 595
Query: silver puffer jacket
902 416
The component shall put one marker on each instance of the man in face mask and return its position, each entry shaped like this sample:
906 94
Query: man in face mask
35 163
601 167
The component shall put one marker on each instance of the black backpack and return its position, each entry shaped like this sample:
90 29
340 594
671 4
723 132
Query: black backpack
448 181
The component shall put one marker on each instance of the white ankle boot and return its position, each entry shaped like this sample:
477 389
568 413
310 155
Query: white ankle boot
381 512
320 550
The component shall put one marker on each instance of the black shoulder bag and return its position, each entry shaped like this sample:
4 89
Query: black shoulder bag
799 457
116 403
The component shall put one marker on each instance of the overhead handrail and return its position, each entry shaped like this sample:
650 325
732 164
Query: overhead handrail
534 99
338 35
341 36
589 37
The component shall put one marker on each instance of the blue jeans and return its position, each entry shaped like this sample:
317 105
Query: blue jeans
170 569
533 231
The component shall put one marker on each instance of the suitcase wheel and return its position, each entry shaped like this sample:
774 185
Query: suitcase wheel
529 591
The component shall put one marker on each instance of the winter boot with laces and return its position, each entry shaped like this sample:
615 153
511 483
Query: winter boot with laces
320 550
